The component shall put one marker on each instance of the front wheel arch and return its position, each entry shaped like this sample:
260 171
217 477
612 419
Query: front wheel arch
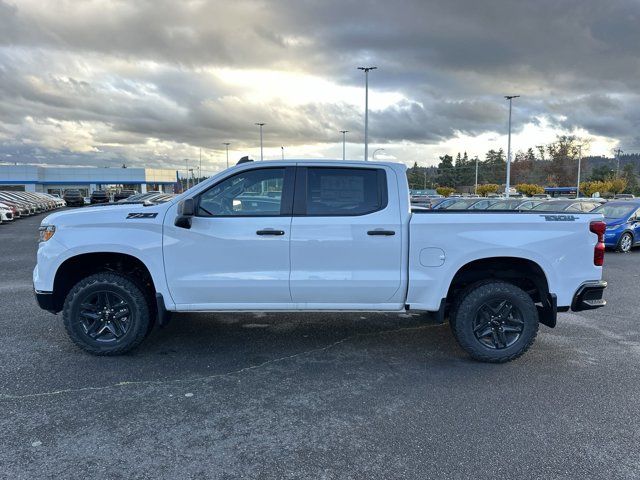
75 268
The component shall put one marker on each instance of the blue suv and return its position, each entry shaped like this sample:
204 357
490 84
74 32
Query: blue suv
623 224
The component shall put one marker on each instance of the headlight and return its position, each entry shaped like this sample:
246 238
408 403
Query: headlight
46 232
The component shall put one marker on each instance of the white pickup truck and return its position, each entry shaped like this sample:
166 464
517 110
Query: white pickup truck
316 236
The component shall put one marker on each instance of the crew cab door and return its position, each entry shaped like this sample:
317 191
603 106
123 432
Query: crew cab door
346 238
235 255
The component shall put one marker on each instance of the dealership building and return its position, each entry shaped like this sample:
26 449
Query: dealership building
56 180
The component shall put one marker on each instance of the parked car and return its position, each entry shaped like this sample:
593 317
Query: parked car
567 205
623 224
471 203
140 197
515 204
342 239
73 198
442 203
15 211
123 194
6 215
99 196
624 196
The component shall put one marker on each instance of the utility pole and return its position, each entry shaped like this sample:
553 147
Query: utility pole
476 189
226 144
618 152
200 167
261 151
366 71
186 161
344 143
508 183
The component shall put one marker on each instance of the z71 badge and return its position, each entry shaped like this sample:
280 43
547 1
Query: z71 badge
142 215
560 218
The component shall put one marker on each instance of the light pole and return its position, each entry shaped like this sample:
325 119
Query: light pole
261 151
226 144
373 157
618 152
282 148
186 161
508 185
344 143
476 189
366 71
579 165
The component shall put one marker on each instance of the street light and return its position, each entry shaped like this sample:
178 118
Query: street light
508 186
261 151
282 148
373 157
344 143
366 71
226 144
186 161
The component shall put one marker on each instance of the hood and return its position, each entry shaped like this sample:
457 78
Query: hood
104 214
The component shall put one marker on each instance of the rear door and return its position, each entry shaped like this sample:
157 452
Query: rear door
346 238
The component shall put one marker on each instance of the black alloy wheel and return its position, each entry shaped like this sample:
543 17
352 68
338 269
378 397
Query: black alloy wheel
498 324
105 316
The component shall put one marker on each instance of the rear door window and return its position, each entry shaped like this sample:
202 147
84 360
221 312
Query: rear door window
345 191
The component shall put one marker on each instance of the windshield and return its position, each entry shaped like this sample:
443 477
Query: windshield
551 206
461 204
614 211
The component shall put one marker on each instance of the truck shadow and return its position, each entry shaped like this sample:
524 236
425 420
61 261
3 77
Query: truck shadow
230 341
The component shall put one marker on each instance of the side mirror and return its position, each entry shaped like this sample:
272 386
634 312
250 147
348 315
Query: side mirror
187 207
186 210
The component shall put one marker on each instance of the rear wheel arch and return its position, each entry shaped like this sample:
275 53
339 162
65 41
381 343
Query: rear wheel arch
521 272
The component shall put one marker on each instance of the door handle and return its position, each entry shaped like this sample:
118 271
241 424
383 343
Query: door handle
270 231
384 233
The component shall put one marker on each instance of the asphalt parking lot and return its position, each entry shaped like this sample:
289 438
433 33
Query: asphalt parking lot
316 396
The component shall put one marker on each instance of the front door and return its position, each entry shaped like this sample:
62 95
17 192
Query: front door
236 253
346 239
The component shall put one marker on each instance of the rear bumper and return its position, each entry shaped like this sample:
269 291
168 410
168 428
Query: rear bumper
589 296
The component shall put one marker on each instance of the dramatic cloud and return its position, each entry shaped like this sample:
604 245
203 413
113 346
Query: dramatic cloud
154 81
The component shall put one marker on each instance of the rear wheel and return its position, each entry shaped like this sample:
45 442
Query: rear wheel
625 243
107 314
495 321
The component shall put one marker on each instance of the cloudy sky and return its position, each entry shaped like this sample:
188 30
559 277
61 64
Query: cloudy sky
151 82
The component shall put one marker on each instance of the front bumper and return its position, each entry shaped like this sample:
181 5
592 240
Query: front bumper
589 296
46 301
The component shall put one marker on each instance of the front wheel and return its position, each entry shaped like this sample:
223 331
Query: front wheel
106 314
625 243
495 322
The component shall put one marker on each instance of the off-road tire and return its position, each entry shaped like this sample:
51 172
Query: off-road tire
467 307
128 289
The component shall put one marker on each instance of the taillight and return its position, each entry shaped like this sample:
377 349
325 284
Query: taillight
598 227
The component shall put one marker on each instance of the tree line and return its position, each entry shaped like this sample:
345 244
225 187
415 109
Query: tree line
552 165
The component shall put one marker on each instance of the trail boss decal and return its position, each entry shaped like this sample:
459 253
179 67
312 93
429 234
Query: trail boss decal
142 215
560 218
